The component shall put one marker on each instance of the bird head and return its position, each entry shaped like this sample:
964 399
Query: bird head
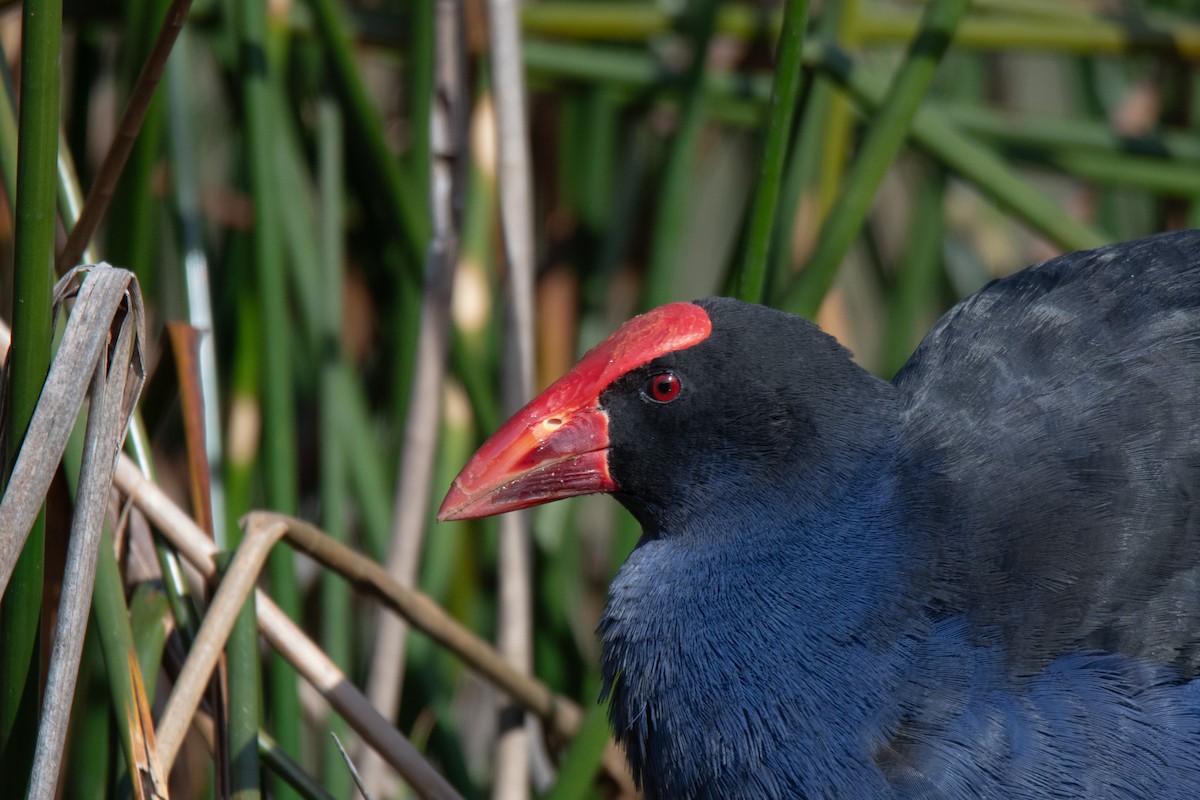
689 408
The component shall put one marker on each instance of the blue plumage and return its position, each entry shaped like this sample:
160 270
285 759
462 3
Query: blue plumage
978 580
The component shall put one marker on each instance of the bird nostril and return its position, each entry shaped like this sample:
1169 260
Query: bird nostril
553 423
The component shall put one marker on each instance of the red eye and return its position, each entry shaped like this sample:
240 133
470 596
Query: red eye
662 388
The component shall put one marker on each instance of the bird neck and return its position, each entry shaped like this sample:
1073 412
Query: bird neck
750 648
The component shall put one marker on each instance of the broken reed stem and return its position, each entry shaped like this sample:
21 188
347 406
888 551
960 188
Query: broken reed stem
370 578
206 650
560 714
286 637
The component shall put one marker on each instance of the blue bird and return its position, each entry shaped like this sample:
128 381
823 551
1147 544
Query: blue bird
978 580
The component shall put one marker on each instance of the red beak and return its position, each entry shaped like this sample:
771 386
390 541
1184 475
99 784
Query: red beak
539 455
557 446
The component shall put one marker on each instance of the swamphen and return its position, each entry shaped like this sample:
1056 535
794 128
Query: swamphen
978 580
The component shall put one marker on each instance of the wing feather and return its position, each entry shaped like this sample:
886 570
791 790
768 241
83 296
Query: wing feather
1052 454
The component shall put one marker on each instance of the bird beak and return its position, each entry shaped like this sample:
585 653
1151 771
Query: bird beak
557 446
543 453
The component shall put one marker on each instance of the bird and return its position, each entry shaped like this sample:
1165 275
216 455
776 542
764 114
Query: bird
978 579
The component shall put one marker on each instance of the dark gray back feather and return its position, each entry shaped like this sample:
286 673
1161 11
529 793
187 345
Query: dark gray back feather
1052 453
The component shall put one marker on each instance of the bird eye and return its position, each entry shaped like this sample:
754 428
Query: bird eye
662 388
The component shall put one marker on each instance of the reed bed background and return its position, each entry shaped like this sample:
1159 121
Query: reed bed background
365 231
